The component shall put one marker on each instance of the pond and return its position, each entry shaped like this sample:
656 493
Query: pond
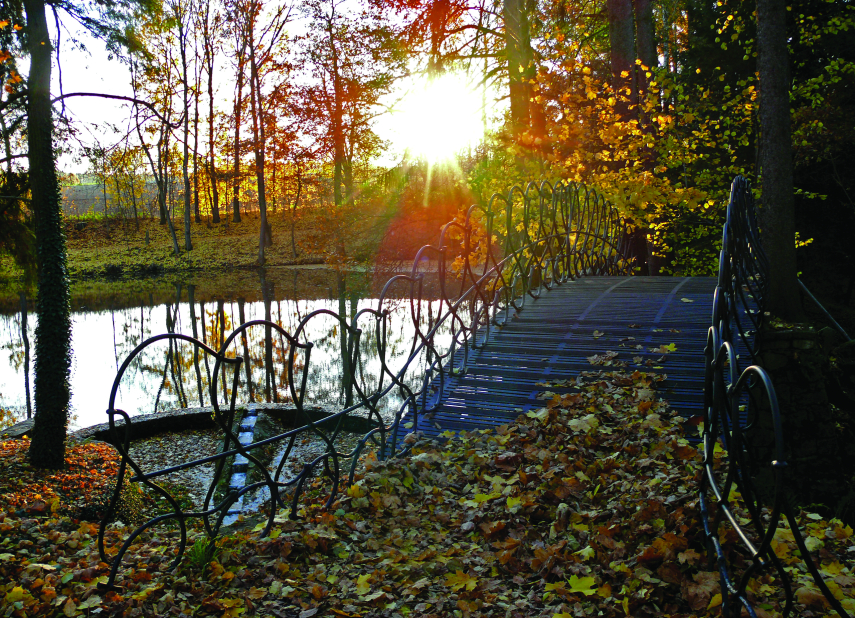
109 321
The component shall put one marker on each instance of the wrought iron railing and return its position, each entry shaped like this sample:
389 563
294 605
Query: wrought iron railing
505 252
734 399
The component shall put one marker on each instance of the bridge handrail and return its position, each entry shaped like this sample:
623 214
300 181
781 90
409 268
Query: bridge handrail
551 233
738 314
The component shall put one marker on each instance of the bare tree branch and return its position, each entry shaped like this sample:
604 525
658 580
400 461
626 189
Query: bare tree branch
118 97
15 156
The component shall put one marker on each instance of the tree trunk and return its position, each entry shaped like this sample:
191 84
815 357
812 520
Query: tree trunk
212 167
132 180
700 16
238 105
776 161
120 210
645 42
516 36
337 122
244 340
344 342
264 234
338 137
104 190
270 393
7 142
53 332
164 194
25 337
182 43
294 210
645 36
161 192
158 169
191 301
622 60
196 152
347 176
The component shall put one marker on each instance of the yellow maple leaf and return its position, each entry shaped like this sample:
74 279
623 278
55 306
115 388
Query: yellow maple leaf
583 585
356 491
715 601
16 594
513 502
362 585
459 580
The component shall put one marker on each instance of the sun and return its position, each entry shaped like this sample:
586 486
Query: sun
439 118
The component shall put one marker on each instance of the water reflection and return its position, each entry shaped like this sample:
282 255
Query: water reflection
177 374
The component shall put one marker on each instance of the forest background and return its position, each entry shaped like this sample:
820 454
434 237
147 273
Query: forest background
656 104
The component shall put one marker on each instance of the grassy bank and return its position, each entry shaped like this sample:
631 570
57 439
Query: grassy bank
104 248
107 248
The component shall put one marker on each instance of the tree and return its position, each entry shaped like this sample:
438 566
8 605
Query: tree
128 176
12 94
211 25
453 32
264 46
631 38
240 45
53 333
622 52
180 16
107 20
16 229
776 160
352 63
159 163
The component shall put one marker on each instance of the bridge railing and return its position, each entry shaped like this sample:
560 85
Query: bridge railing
505 252
735 399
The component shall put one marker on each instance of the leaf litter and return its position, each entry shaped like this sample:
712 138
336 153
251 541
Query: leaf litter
586 506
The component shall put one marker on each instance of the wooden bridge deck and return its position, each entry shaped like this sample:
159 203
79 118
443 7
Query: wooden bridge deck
553 336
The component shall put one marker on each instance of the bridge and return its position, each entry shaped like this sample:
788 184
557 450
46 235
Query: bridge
656 324
535 286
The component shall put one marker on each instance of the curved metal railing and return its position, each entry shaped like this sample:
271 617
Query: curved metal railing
507 251
734 401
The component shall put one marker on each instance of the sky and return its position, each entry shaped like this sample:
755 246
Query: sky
412 126
91 72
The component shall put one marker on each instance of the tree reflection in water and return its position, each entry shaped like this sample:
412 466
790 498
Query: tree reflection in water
173 374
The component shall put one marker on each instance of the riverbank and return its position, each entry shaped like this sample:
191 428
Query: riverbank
112 264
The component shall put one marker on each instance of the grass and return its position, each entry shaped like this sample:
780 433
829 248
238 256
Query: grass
114 249
107 249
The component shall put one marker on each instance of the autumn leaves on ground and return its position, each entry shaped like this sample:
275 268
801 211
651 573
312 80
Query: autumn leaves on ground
585 507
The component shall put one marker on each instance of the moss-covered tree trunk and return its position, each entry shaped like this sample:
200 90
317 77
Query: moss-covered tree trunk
53 333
